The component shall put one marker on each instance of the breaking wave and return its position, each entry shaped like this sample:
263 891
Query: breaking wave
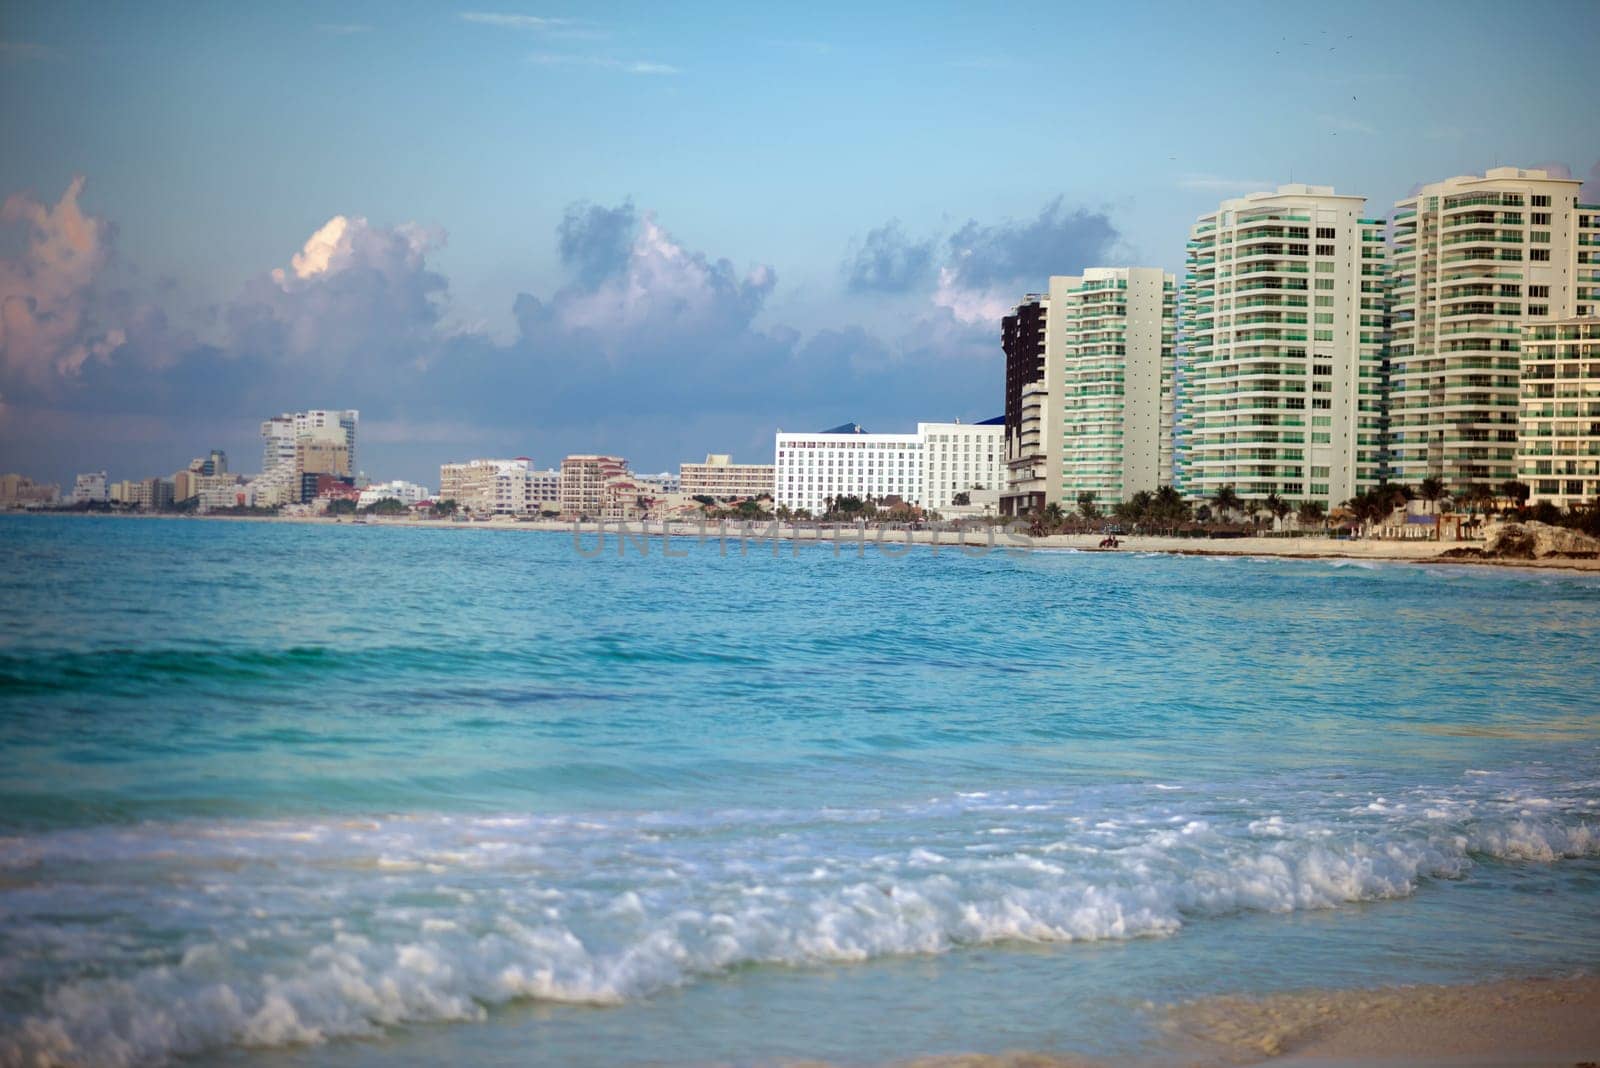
132 945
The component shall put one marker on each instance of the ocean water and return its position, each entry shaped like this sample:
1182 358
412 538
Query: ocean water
294 794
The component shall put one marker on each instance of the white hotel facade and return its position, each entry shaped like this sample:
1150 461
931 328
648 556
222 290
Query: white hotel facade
927 468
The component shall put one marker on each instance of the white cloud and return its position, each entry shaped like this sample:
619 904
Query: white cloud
46 294
972 306
561 59
514 22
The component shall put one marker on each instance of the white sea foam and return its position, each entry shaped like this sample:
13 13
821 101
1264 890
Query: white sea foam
301 932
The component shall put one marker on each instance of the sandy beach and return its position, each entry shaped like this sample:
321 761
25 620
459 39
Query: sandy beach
1526 1022
757 538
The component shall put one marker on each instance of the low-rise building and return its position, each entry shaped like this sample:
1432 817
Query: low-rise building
407 493
1558 429
722 479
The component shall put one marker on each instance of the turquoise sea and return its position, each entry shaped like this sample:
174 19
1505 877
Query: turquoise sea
279 794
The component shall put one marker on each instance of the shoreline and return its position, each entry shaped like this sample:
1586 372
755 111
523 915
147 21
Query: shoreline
1508 1021
1531 1021
1418 551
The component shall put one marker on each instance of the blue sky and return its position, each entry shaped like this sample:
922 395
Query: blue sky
804 216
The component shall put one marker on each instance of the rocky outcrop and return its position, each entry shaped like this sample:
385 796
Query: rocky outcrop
1535 541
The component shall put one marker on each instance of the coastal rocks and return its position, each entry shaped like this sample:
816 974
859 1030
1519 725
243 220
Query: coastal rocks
1535 541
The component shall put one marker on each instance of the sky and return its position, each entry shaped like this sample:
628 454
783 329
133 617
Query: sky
534 229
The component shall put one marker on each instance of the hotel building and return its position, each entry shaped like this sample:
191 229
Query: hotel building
720 478
1283 324
1116 382
960 458
1558 428
499 487
90 488
20 491
1475 259
407 493
583 484
846 462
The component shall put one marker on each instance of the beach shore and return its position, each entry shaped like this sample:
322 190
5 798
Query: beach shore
757 539
1522 1022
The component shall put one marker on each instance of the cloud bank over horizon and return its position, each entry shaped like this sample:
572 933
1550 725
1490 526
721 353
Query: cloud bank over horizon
647 348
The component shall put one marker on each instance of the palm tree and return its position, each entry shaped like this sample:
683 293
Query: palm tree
1515 493
1310 512
1278 506
1169 507
1227 502
1086 506
1431 490
1054 516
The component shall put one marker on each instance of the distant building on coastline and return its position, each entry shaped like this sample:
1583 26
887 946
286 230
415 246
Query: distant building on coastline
499 487
1558 431
91 488
960 459
927 469
845 462
1031 427
584 478
407 493
722 479
296 447
20 491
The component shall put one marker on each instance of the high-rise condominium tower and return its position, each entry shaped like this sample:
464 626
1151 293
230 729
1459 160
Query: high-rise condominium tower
1283 319
1029 430
1116 382
1475 260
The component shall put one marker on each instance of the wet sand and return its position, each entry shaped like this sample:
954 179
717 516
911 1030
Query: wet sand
1513 1022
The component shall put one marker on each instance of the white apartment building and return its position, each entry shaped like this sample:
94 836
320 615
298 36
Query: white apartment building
407 493
1115 383
90 487
846 462
1476 259
1558 431
499 487
1283 319
719 477
959 458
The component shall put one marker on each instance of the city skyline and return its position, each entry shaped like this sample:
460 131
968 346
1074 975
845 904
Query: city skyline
826 271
